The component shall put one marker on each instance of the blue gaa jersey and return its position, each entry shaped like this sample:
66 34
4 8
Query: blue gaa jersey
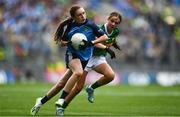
91 31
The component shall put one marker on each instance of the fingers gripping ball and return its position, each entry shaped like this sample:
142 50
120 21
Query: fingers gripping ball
77 40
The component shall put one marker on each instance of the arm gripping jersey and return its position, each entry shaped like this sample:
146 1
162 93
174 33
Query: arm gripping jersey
111 40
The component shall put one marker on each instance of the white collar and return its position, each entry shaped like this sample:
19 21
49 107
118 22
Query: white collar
105 26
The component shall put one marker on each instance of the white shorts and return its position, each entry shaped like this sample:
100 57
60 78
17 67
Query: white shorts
94 62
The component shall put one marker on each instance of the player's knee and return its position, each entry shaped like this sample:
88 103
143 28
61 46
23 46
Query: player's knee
110 76
78 73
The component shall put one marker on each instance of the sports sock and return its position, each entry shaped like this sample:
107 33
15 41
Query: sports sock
95 85
65 104
44 99
64 94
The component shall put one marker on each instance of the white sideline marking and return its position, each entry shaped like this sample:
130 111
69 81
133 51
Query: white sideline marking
104 92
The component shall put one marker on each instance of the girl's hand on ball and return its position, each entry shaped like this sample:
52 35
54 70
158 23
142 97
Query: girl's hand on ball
88 43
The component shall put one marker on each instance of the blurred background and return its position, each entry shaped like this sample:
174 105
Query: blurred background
149 38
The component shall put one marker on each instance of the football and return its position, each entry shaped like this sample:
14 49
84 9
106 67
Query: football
76 40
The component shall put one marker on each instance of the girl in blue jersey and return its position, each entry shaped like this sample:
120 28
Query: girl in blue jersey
98 62
75 60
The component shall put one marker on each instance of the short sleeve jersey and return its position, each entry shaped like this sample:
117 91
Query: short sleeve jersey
111 40
91 30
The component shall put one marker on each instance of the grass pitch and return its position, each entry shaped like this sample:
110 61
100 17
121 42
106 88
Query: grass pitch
122 100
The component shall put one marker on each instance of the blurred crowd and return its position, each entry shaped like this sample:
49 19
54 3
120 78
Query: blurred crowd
149 38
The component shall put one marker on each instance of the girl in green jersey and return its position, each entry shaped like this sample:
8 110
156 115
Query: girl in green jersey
98 62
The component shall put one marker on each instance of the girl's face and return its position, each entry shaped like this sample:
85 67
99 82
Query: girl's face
113 22
80 16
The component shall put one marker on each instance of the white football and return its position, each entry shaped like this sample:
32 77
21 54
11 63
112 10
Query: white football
76 40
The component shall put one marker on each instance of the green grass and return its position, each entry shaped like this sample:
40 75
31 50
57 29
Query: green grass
122 100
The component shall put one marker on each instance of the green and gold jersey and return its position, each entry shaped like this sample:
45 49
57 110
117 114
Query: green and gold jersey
111 40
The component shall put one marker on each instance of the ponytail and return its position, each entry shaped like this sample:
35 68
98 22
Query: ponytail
60 33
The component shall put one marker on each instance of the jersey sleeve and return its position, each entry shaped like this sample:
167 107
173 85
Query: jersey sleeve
116 33
65 34
97 30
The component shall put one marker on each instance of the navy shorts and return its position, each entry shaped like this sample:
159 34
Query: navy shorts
69 56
